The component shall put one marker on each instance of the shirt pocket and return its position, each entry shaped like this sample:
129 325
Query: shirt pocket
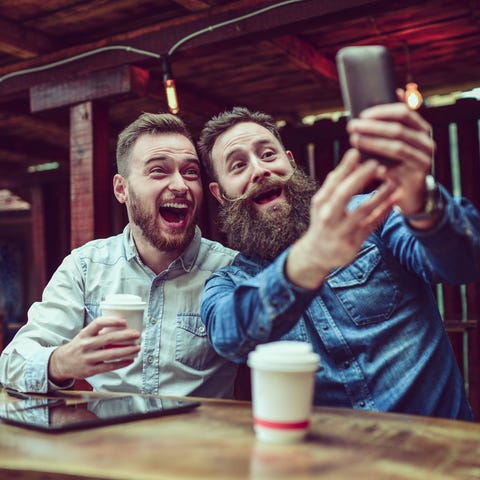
365 288
192 346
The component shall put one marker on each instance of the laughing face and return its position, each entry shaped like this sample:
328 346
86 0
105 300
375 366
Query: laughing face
264 200
244 159
162 192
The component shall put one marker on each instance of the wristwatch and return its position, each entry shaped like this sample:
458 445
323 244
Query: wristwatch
434 204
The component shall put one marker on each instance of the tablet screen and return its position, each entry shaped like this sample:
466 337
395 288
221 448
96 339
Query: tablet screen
59 416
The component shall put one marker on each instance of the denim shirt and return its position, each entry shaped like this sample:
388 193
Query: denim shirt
374 323
176 357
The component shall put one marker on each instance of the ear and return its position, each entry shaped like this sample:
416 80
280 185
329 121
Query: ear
120 188
215 191
291 158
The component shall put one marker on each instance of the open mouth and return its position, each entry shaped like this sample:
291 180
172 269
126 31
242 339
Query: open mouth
174 212
268 195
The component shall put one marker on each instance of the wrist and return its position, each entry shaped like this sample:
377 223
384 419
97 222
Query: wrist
301 270
433 205
54 370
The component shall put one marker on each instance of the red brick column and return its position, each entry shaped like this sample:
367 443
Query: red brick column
90 173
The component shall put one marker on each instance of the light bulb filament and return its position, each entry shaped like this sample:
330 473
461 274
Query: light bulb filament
413 97
171 94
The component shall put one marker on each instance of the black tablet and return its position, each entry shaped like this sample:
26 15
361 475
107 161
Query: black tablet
57 416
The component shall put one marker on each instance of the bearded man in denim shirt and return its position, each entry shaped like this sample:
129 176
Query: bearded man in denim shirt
347 272
161 257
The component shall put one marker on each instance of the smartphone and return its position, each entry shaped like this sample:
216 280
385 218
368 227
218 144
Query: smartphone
366 79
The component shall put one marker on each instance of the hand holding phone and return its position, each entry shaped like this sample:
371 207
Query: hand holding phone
366 79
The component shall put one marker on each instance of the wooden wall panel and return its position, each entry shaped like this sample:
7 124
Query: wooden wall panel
469 154
38 240
451 300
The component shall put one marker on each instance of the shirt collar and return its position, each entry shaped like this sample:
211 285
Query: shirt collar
187 259
129 244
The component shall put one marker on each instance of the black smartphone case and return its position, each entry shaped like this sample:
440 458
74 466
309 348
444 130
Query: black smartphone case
366 77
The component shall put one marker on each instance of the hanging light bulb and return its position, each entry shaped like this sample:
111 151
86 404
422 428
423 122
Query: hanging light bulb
171 93
169 84
413 97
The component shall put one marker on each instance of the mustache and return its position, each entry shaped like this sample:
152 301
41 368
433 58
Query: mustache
266 235
258 188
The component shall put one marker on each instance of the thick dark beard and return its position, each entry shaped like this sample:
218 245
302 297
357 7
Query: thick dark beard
162 241
266 234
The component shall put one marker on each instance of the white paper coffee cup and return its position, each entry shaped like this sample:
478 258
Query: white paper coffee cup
282 390
127 306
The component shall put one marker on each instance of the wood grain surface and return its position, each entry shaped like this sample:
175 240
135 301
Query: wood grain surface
216 441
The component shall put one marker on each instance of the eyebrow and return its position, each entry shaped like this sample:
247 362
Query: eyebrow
164 158
256 144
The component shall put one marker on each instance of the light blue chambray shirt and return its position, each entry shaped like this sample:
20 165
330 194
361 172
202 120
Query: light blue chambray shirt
176 357
374 323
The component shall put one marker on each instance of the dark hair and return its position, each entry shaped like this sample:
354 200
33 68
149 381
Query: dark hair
146 123
221 123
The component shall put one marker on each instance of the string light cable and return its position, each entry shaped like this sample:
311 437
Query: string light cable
64 61
229 22
145 52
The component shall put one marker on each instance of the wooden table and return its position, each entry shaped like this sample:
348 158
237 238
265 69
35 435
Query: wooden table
216 441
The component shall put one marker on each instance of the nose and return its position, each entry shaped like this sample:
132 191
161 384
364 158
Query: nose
259 171
177 184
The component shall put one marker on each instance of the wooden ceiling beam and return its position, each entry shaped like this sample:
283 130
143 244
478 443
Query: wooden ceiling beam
18 160
198 102
306 56
22 42
98 85
22 158
13 156
37 128
22 181
161 38
193 5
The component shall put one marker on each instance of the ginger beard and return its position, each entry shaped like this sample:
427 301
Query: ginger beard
266 233
161 240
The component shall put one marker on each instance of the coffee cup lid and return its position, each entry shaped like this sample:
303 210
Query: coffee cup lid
284 356
123 300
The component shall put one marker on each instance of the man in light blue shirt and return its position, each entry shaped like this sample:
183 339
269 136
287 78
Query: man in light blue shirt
347 272
161 257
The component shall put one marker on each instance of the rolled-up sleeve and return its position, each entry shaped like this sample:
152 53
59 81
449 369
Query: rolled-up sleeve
446 253
52 322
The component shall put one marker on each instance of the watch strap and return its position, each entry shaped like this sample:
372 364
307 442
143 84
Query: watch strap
433 204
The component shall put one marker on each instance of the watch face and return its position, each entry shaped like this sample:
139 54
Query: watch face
430 183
